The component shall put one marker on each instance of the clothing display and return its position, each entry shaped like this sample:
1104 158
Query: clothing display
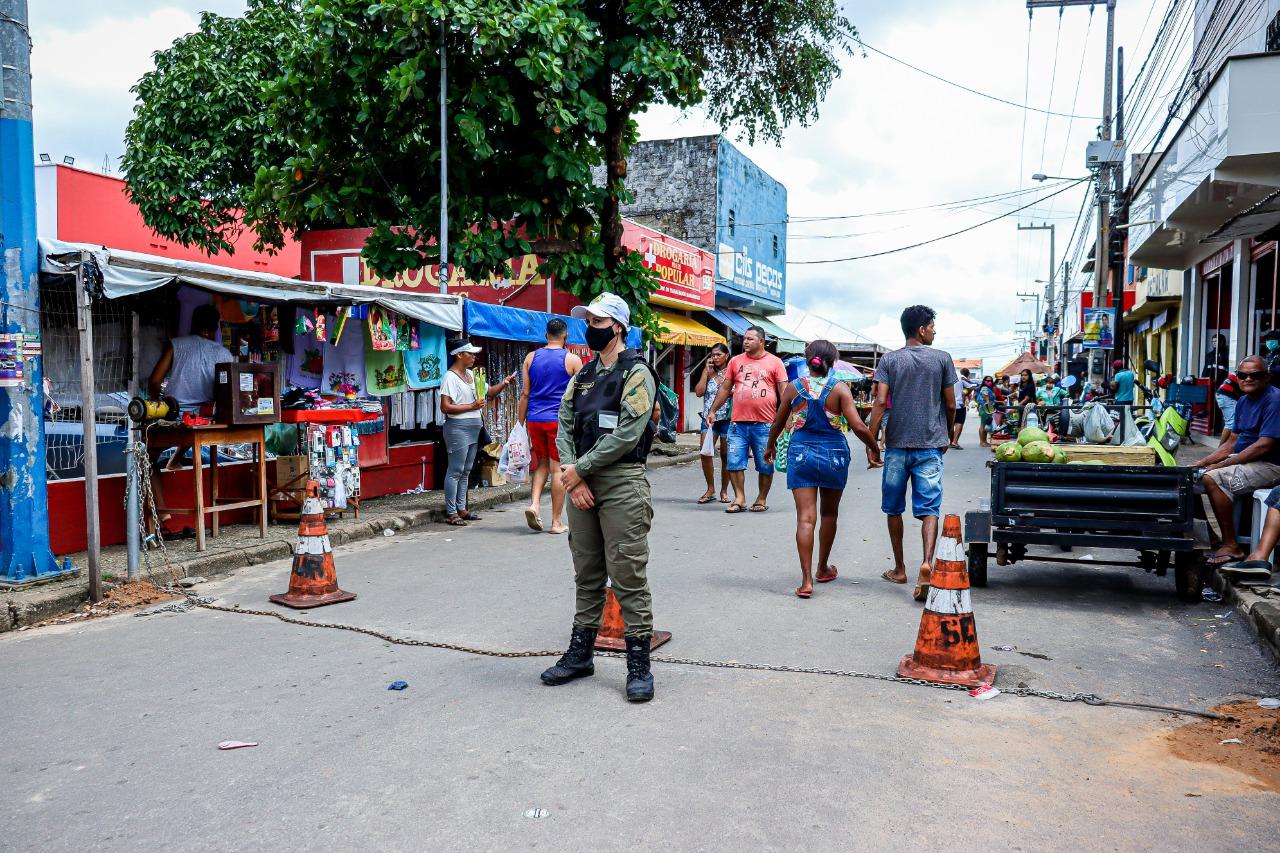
424 367
383 369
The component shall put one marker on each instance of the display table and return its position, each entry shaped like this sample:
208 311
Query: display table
328 450
212 436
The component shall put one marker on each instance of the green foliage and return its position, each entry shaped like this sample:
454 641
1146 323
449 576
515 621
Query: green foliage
310 114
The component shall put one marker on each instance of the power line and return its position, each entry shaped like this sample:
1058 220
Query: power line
1006 194
943 236
970 89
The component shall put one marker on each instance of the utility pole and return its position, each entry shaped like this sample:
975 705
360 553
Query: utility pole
1101 271
1122 218
25 554
1037 327
444 164
1062 319
1053 267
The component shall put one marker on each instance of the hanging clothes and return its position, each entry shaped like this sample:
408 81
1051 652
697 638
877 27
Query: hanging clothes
383 369
344 364
425 366
305 365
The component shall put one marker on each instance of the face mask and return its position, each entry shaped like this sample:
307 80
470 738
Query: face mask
598 338
1272 345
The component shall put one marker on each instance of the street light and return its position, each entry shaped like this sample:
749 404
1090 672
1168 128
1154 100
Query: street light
1039 177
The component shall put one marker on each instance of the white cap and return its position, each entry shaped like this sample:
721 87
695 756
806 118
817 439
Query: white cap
609 305
467 347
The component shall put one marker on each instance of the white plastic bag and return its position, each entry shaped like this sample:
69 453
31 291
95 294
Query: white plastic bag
519 453
1098 425
709 443
1132 437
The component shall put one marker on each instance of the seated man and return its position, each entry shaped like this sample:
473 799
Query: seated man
1257 565
1249 460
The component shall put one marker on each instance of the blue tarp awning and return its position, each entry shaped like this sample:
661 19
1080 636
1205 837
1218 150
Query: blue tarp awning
519 324
732 319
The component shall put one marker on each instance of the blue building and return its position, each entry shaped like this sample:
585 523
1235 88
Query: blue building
705 191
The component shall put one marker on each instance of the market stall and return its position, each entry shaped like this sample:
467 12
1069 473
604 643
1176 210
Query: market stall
338 356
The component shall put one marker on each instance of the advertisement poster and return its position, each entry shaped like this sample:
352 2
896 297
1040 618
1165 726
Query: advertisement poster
686 274
1099 328
10 361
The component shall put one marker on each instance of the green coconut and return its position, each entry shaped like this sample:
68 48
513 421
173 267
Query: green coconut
1010 451
1059 455
1030 434
1037 451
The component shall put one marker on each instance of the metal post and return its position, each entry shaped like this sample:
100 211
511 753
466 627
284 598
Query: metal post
89 420
444 165
25 554
133 509
1053 264
1104 173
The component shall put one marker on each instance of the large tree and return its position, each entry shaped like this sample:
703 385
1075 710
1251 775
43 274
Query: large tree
318 113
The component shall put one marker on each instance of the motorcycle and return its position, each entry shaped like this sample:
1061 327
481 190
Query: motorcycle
1167 424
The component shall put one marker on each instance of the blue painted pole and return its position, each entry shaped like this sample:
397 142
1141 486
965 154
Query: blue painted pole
25 554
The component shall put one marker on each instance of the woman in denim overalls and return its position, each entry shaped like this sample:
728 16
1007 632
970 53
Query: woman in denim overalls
818 455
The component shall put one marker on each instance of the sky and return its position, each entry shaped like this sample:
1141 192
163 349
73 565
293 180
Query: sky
888 138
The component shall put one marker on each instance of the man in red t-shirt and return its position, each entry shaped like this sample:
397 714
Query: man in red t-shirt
755 380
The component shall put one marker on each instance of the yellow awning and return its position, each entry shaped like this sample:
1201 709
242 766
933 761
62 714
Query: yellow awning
687 332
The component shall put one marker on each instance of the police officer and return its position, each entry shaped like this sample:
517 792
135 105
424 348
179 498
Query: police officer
605 432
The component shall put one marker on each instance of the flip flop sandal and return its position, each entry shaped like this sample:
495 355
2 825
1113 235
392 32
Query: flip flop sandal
734 509
887 576
469 516
802 594
532 519
1221 559
829 578
921 592
706 499
724 500
759 507
455 521
1247 568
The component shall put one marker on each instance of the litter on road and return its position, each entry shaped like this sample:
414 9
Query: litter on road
236 744
397 685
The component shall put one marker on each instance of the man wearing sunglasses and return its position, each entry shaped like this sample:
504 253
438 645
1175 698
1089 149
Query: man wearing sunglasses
1250 457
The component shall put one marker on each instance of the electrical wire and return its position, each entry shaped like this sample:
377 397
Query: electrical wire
940 237
968 88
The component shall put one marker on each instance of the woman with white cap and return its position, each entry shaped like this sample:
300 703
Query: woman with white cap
462 428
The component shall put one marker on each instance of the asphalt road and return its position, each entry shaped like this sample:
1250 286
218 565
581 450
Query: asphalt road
111 726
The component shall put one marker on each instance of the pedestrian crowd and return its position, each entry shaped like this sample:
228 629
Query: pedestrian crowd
591 427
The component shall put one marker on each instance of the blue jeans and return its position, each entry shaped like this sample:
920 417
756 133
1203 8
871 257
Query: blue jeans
924 469
748 439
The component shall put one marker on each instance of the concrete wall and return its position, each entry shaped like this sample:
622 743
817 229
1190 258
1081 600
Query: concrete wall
674 185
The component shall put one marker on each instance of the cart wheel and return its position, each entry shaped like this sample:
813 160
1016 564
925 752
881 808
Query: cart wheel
978 563
1186 577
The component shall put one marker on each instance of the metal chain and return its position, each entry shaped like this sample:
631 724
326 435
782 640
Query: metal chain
193 601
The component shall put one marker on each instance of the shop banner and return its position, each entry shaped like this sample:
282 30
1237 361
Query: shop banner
1099 327
686 274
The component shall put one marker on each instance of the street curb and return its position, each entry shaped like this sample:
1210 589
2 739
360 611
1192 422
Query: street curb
1260 614
27 607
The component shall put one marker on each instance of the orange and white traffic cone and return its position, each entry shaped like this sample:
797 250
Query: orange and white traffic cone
947 645
612 634
314 580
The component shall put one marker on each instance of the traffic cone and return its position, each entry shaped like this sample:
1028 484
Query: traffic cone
947 646
314 580
611 636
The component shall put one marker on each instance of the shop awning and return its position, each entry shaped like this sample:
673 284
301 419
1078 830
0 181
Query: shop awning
686 332
519 324
788 343
732 320
130 273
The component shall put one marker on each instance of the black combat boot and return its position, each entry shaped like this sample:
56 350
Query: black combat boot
639 679
575 663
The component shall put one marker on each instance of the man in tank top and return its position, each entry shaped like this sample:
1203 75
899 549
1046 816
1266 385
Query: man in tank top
546 373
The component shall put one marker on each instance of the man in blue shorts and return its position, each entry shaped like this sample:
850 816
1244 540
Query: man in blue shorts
922 381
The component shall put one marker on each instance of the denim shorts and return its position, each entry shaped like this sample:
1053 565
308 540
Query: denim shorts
748 439
924 469
1227 405
813 465
719 427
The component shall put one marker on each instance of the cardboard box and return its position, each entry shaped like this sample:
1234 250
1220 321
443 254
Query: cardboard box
491 476
289 468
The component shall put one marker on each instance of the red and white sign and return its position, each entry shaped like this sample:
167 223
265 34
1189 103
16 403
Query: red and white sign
686 273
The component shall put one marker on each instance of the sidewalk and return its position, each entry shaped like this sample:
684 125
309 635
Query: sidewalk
239 545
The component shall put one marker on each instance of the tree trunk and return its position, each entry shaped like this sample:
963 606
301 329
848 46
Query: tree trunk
615 177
